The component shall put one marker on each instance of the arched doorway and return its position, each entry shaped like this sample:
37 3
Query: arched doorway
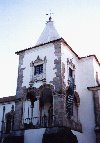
59 135
46 105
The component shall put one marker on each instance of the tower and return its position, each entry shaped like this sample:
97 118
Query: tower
42 81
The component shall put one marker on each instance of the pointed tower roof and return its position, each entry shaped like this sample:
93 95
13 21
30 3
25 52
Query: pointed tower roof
49 33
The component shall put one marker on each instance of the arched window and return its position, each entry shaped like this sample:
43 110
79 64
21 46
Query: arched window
46 105
10 120
76 104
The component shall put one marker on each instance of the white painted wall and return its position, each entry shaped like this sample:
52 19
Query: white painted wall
34 135
31 55
7 109
84 77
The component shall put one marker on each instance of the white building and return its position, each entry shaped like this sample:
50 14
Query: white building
57 97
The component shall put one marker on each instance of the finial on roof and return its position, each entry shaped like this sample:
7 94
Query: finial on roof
50 18
49 33
49 14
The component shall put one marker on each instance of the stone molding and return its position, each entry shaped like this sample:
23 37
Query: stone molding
42 76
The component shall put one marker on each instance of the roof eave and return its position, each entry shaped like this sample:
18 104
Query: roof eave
62 40
18 52
70 48
94 88
92 56
7 99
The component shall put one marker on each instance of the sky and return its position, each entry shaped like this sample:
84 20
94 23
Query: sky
22 21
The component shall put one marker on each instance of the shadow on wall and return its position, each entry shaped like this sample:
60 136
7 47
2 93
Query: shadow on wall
13 139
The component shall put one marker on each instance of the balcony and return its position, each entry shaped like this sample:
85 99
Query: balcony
40 122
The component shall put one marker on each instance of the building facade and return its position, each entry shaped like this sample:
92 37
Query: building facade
57 97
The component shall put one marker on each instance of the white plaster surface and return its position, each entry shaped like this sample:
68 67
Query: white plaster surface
31 55
84 77
34 135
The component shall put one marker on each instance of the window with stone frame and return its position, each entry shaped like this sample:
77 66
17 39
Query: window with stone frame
71 106
38 70
71 69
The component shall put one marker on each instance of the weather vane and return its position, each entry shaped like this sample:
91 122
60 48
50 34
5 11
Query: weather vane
49 14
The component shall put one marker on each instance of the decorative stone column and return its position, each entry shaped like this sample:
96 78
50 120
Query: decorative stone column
20 96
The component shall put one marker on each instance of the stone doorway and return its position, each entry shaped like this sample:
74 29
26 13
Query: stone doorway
59 135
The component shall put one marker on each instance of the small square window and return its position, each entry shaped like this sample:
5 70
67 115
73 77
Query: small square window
38 69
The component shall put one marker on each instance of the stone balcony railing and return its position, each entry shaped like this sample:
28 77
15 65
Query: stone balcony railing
40 122
46 122
7 127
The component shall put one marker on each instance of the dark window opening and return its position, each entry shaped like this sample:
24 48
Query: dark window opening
70 72
9 122
38 69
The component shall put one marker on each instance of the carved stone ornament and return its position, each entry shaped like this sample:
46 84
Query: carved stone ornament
70 62
31 95
38 60
76 96
41 76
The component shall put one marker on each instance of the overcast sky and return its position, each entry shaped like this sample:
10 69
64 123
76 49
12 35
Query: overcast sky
22 21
